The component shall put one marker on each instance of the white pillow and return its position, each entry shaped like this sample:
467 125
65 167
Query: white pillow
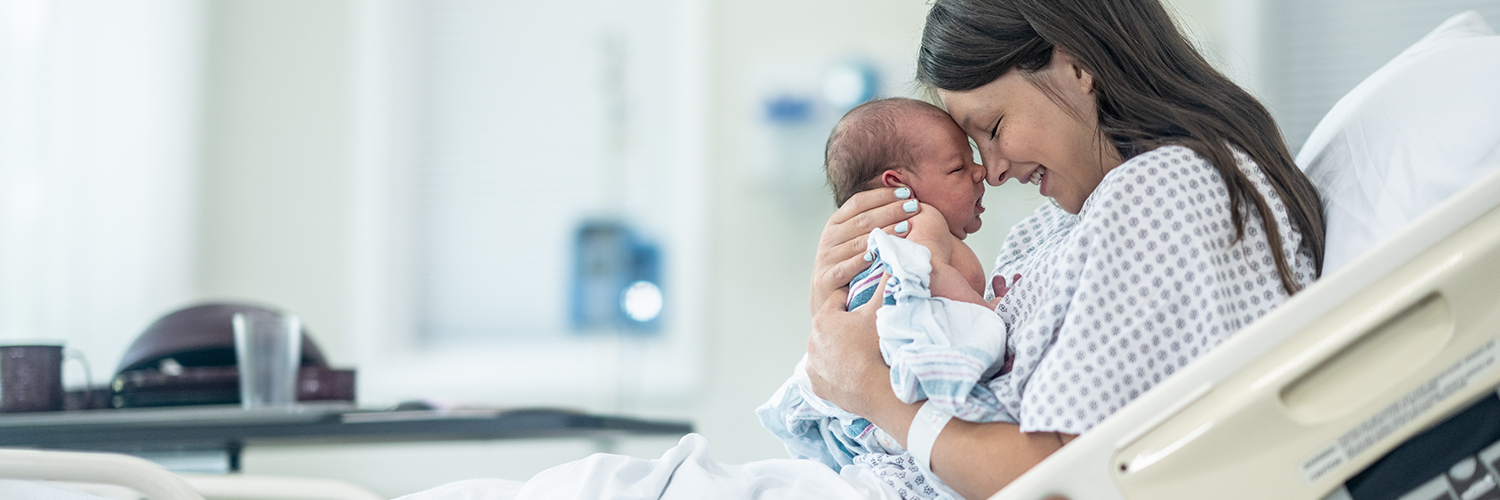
1423 127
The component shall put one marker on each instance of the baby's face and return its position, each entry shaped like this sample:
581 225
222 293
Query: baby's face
945 175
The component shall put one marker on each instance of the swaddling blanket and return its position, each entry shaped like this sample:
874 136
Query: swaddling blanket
939 350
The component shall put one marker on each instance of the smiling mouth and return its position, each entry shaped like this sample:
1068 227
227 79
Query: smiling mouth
1035 177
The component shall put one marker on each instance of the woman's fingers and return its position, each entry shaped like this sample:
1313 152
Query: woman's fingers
868 210
865 201
841 263
834 252
842 246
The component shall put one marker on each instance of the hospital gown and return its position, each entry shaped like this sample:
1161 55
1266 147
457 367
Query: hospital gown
1150 278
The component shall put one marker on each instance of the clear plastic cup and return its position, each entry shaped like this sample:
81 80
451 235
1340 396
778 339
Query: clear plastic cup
269 347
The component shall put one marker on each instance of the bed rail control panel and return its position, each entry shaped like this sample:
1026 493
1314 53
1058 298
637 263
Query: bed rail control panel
1418 345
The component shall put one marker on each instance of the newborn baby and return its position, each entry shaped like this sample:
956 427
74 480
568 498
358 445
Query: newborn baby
908 143
936 281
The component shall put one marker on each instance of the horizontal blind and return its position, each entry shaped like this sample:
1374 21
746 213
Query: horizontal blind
1319 50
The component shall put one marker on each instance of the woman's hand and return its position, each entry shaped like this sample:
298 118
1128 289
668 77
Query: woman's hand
844 364
844 367
841 248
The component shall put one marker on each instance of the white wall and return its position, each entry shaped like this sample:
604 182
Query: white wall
1229 34
276 203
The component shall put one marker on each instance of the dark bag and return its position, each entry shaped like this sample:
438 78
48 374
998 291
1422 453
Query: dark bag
187 358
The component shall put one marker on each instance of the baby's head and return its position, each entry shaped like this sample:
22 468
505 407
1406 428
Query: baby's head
906 142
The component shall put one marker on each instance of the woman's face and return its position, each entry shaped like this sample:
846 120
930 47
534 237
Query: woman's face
1024 134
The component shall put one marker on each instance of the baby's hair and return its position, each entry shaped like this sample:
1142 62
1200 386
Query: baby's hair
869 140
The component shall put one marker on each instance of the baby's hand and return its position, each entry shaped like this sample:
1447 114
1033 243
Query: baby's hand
997 283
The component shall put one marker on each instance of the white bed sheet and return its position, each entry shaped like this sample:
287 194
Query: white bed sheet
685 472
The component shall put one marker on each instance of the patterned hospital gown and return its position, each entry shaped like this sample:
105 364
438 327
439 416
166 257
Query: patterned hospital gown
1147 277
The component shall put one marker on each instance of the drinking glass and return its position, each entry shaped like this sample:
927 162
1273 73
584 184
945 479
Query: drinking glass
269 347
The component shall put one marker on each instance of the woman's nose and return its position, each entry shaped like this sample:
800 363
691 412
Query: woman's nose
995 169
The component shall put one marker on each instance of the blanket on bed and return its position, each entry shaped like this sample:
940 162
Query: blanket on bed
685 472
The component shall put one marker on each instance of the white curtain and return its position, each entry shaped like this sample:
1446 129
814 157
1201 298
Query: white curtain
98 149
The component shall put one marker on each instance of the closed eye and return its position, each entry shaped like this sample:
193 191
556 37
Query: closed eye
995 131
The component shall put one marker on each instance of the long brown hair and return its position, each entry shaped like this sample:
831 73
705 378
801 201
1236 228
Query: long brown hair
1153 89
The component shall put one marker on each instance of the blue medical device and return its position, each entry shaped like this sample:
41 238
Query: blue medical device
616 280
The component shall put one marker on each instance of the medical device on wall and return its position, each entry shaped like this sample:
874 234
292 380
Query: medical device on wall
797 106
616 280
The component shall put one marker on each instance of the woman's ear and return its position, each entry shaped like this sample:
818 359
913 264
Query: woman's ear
1071 72
894 178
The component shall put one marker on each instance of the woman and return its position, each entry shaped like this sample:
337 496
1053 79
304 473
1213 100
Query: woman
1191 222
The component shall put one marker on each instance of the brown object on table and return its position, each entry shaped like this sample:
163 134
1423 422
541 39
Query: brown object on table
209 385
200 335
188 358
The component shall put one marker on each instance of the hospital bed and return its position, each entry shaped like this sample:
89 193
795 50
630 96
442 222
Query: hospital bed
130 472
1379 380
117 476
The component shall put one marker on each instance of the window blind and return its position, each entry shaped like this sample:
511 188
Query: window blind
1319 50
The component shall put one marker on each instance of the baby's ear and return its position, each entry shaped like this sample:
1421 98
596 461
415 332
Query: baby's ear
893 178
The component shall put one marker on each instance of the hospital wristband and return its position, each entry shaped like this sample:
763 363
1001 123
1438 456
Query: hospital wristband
924 431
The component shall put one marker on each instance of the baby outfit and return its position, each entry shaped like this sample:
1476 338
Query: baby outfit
939 350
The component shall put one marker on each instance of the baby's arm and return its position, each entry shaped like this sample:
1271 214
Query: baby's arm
956 272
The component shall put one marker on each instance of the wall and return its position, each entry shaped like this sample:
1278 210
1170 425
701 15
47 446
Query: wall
1228 33
275 195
